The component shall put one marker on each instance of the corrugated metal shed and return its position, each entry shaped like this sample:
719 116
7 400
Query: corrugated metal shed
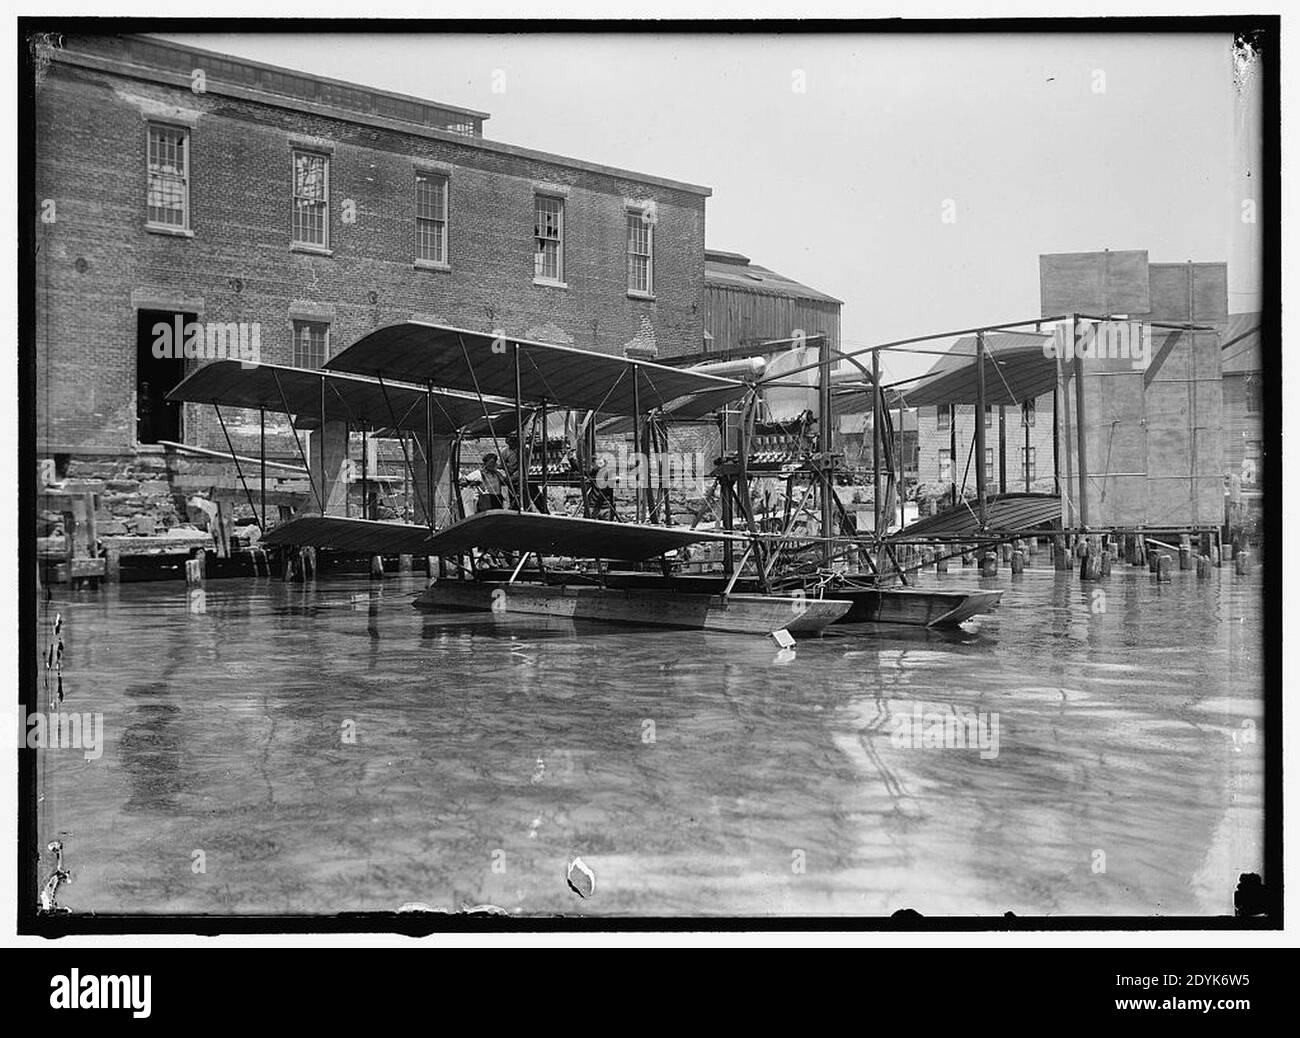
1016 369
1007 514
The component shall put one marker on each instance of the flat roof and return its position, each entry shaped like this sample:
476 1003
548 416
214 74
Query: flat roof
216 85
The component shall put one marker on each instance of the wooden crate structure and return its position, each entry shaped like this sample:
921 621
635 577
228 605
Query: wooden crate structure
1152 440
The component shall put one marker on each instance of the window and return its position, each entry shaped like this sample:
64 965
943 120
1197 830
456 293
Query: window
1028 464
1250 464
548 234
945 466
311 185
1254 396
640 253
1028 413
988 464
169 177
943 414
310 344
431 217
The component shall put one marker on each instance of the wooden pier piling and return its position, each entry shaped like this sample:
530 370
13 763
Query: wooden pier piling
989 564
1090 558
1242 561
1017 562
1164 568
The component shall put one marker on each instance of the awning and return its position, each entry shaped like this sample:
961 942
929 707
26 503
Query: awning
350 398
560 376
1016 369
1007 514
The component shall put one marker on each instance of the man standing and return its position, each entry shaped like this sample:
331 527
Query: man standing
490 481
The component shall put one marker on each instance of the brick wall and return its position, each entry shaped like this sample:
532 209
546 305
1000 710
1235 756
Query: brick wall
96 262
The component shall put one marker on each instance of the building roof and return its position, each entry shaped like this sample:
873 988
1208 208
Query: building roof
1015 369
1240 342
731 270
163 61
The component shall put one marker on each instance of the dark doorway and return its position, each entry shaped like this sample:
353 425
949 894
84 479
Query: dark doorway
155 375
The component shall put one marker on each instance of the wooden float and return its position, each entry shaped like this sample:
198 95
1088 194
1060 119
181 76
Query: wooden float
917 607
741 614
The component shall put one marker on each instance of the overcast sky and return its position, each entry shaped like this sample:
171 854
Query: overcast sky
1042 144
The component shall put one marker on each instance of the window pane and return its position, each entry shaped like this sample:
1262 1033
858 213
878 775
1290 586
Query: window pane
167 173
309 344
1028 464
310 201
639 232
548 229
431 217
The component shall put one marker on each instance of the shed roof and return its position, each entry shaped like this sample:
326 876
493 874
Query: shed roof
1015 369
731 270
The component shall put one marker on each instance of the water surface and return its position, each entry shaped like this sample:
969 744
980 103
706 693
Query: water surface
330 749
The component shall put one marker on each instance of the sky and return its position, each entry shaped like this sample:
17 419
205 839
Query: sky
915 177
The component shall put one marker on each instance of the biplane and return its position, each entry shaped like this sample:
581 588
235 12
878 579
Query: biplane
432 388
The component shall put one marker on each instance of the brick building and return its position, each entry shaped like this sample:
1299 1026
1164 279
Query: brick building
174 182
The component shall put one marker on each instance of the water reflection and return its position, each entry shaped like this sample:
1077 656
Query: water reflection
332 749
